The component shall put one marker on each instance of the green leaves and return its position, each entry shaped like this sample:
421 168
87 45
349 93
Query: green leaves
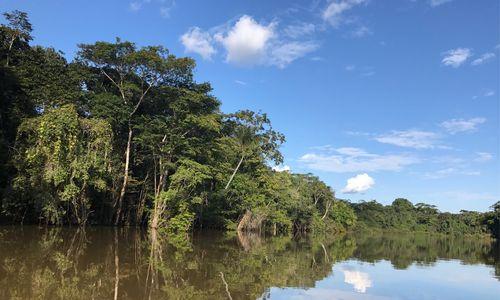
65 156
70 127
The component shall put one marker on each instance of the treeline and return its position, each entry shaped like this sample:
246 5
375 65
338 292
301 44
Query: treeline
125 135
403 215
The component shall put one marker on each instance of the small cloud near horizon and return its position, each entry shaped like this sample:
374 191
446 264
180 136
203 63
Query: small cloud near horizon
358 184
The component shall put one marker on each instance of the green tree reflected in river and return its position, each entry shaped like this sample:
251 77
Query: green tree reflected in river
126 263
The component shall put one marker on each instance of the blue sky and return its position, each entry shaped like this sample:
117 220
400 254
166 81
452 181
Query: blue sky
381 99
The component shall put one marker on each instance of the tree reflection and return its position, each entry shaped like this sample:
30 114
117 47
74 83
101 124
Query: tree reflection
104 263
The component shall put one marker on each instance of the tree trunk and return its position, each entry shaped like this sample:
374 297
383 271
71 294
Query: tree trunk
326 210
234 173
159 208
7 60
125 176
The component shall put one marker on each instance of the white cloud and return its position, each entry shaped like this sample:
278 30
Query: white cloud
361 32
164 9
317 58
350 68
197 41
410 139
454 126
358 184
466 196
489 93
449 172
359 280
435 3
240 82
247 41
354 152
456 57
485 93
165 12
343 160
286 53
299 30
282 168
483 59
483 156
334 12
368 73
135 6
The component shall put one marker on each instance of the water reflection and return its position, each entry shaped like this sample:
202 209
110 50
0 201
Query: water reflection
359 280
126 263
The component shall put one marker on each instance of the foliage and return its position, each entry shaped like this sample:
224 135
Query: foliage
61 159
403 215
125 135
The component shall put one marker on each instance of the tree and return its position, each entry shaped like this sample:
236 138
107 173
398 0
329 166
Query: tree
61 159
18 31
131 73
253 134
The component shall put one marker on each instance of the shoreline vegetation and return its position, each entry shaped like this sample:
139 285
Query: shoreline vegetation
125 135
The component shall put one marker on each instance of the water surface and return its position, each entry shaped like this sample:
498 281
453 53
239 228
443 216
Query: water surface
126 263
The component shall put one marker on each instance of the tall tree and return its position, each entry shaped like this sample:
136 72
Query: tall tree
18 31
253 135
131 74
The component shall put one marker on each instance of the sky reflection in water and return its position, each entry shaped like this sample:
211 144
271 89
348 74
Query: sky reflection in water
126 263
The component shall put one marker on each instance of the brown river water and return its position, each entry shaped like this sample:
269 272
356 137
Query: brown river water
129 263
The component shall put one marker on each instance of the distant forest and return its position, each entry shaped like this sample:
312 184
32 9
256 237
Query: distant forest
125 135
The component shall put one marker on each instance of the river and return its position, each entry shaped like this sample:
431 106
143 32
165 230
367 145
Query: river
128 263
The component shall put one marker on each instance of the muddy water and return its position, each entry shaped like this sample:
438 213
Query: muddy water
126 263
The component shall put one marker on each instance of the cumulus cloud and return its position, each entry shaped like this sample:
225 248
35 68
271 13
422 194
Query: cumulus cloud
435 3
358 184
284 168
410 139
456 57
197 41
483 59
335 11
359 280
350 159
248 43
454 126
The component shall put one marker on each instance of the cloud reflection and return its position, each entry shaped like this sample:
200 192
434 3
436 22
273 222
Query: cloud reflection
359 280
